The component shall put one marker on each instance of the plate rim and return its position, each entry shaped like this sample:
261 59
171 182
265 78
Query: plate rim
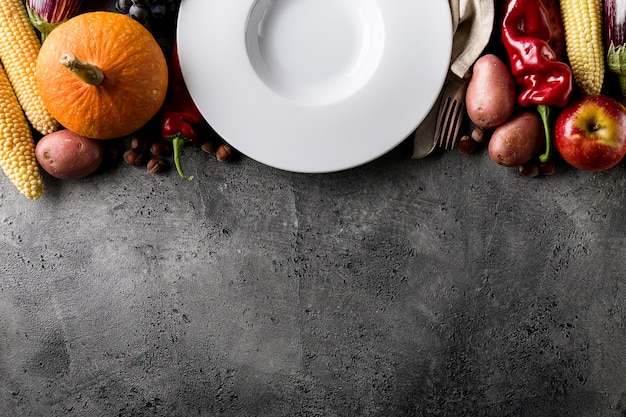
287 135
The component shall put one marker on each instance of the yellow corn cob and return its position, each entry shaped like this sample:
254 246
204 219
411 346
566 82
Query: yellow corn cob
582 21
19 47
17 146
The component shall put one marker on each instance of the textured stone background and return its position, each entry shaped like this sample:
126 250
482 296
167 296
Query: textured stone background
443 287
448 286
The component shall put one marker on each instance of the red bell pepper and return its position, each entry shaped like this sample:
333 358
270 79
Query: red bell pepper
181 117
533 36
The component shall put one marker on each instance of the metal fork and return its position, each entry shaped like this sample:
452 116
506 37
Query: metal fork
451 112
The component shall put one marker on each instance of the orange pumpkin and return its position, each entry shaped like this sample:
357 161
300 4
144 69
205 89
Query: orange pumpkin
102 74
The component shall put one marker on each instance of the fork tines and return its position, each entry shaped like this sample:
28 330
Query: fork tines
451 113
450 123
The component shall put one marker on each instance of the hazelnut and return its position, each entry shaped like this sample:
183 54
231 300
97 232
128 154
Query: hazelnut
547 168
224 153
140 144
157 164
161 148
208 146
133 157
478 134
466 145
529 170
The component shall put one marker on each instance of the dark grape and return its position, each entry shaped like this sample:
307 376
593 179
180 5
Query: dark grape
148 11
139 14
172 6
158 10
123 6
142 3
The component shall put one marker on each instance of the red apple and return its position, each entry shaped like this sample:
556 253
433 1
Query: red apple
590 133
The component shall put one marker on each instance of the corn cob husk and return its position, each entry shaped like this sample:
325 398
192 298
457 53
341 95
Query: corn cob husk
19 47
17 146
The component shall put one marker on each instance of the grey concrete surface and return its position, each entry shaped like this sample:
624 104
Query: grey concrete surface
448 286
445 287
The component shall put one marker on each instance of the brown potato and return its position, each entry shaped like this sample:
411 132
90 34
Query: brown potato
68 155
518 140
491 96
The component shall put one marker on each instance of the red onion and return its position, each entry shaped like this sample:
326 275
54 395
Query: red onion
615 39
45 15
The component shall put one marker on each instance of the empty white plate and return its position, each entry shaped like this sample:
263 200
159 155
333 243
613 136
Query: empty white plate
314 85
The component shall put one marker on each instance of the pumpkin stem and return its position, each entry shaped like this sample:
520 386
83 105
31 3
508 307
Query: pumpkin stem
85 71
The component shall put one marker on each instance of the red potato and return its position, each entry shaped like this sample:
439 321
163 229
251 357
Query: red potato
518 140
68 155
491 96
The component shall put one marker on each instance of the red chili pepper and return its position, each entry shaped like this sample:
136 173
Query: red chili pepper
533 36
180 114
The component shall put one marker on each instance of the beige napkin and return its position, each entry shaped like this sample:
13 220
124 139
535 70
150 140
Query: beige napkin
472 24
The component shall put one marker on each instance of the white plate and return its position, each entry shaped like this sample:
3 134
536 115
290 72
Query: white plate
314 85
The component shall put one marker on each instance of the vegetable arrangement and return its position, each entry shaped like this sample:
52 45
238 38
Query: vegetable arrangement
533 37
19 48
180 114
75 86
21 102
108 87
554 50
